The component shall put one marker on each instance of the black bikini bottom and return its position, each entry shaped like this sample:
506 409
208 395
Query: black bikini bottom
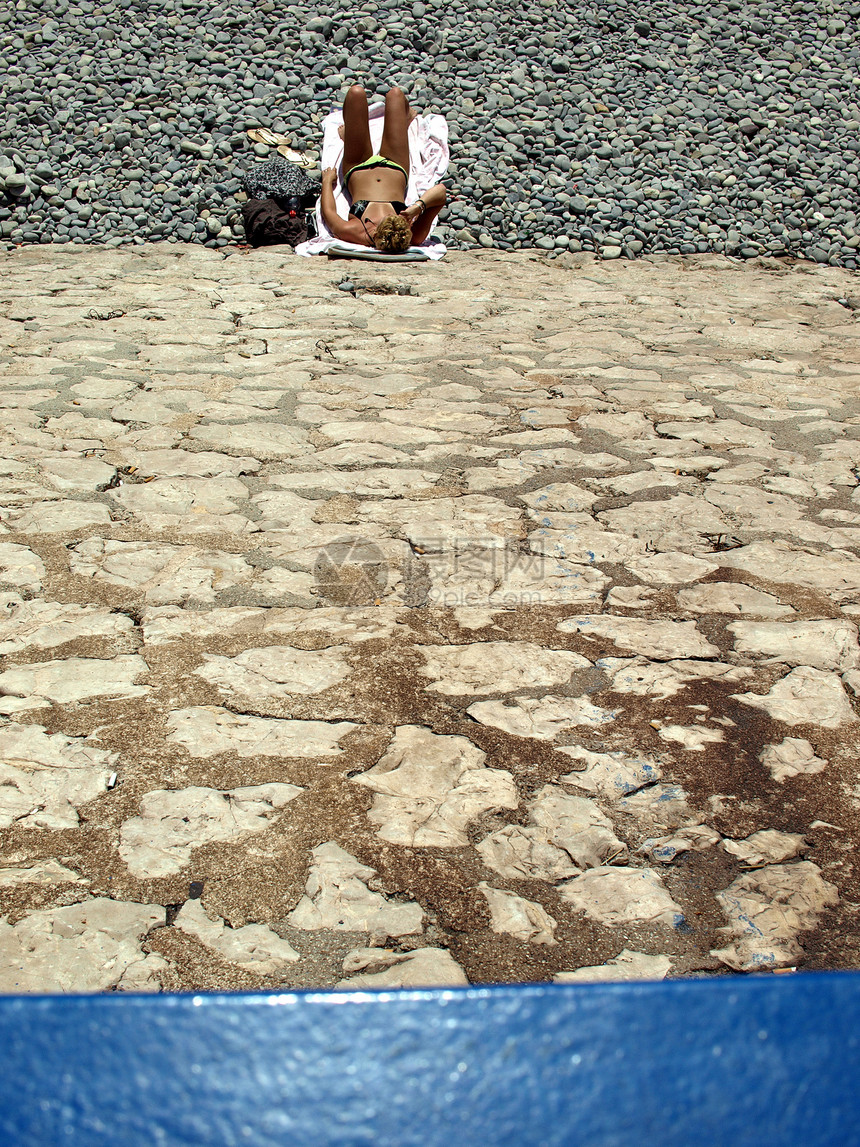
360 206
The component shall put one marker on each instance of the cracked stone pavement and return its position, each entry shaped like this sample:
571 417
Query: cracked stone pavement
484 621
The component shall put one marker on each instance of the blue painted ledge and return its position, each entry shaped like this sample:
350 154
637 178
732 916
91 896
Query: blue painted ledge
733 1061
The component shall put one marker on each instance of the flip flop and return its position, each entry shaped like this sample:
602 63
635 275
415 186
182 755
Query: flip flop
270 138
299 158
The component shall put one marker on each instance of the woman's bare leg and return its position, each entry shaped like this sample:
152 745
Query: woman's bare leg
395 140
356 129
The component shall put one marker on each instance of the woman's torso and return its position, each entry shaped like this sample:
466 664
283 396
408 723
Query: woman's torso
380 186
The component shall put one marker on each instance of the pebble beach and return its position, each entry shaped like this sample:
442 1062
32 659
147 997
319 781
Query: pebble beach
615 129
479 621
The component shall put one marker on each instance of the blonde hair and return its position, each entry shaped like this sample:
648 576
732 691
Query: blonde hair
393 235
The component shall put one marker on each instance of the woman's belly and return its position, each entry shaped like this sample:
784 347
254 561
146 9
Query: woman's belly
377 184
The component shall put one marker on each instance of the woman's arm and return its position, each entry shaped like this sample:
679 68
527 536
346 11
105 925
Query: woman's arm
421 218
348 229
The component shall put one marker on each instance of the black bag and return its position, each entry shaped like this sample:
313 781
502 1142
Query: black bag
268 222
278 209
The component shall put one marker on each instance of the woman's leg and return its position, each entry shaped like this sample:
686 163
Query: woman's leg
356 130
395 140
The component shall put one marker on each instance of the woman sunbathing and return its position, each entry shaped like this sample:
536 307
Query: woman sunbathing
376 184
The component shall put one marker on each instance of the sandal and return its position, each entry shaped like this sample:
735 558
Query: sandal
270 138
299 158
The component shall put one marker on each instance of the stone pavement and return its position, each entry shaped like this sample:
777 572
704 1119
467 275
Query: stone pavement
489 620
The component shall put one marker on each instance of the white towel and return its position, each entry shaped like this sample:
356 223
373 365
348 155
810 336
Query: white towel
428 162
